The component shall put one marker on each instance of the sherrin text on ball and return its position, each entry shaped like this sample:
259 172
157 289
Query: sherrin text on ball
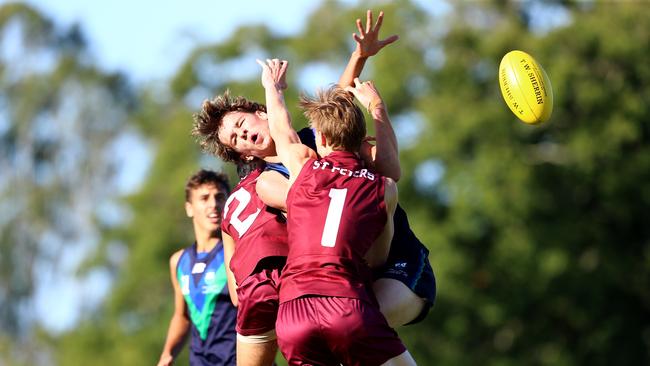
525 87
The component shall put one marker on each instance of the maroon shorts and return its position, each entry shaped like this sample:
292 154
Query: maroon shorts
333 331
258 302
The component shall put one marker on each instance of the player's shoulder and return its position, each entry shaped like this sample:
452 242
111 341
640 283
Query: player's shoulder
299 156
175 258
301 150
271 179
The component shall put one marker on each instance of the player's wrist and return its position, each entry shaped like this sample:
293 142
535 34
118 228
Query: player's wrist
357 54
375 105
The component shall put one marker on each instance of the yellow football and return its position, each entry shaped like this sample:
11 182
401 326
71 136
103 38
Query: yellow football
525 87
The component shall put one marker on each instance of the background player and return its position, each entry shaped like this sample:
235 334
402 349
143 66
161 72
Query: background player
198 275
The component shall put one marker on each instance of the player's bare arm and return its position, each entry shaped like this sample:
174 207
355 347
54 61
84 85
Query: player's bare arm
384 157
180 324
367 44
378 253
272 187
228 251
292 153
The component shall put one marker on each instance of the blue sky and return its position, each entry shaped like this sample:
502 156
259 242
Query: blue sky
148 39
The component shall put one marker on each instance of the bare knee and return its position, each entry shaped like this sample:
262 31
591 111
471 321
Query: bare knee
405 359
256 350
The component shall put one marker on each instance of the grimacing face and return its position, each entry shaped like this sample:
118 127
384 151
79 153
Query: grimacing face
247 133
206 206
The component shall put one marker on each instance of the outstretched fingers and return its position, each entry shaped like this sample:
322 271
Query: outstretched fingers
362 32
369 21
380 20
260 63
274 73
367 38
389 40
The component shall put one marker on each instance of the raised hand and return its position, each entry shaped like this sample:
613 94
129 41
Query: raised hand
368 42
274 73
366 93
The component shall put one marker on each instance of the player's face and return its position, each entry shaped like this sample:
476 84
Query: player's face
247 133
205 207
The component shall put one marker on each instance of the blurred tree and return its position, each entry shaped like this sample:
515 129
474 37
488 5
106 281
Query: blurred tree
538 235
59 119
130 327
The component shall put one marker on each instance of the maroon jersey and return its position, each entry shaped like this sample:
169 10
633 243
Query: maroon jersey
336 211
259 232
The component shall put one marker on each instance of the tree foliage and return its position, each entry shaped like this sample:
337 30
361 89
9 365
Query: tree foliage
59 116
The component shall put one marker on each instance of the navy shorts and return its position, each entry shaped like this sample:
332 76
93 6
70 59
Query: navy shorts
408 262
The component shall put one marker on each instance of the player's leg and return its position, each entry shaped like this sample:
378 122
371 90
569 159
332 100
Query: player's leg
256 316
257 350
405 359
399 304
406 287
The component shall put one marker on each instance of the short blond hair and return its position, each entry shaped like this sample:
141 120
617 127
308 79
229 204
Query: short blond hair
334 113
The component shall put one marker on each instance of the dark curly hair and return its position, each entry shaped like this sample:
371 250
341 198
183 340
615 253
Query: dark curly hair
209 120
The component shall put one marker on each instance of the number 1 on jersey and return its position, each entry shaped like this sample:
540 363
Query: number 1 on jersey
333 220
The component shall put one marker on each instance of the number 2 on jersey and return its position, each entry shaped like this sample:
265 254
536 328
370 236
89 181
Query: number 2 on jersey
244 198
333 220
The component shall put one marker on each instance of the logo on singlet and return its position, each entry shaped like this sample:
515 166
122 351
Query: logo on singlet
198 267
185 284
211 285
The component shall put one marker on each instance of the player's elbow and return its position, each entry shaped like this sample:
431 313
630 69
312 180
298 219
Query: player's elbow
396 173
389 167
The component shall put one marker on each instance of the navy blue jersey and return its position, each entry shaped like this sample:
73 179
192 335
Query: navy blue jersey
202 278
